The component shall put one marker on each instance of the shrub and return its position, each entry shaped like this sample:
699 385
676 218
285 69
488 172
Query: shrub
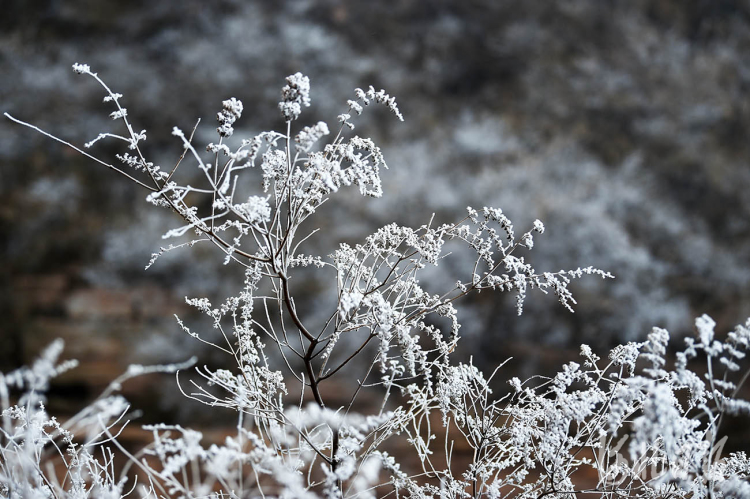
542 439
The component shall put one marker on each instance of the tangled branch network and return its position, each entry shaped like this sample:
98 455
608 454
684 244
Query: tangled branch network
638 423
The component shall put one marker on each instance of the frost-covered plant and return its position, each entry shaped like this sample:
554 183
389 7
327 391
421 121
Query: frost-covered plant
531 442
549 434
34 446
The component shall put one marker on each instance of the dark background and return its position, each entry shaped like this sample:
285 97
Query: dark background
622 125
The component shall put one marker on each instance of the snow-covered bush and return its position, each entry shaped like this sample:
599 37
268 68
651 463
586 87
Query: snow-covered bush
546 438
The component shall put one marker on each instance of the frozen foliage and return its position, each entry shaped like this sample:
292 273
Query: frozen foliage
547 437
33 444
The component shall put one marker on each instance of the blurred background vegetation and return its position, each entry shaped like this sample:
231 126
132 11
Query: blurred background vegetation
623 125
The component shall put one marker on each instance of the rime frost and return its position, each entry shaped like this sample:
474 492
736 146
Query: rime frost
645 425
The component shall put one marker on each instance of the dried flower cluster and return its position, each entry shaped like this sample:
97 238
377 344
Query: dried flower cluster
542 439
